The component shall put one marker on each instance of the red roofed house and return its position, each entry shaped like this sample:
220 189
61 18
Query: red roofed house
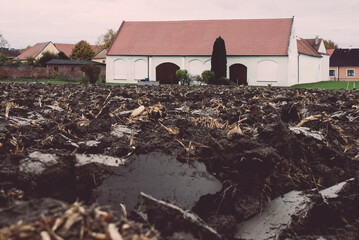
100 56
330 52
259 51
65 48
37 51
313 60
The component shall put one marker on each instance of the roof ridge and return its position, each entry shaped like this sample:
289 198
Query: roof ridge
207 20
44 48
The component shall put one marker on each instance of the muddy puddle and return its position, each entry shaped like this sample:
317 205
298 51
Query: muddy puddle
160 176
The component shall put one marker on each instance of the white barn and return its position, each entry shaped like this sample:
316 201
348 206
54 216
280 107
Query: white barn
259 51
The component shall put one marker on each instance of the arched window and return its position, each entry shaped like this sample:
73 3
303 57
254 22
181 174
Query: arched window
120 69
267 71
140 69
195 67
207 65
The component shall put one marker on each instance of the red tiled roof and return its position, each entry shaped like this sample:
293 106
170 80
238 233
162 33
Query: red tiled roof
67 48
312 43
33 51
196 38
101 54
304 47
330 51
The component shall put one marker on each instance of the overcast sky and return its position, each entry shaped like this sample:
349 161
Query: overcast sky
27 22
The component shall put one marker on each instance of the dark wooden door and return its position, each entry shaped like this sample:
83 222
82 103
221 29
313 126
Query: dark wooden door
166 73
238 74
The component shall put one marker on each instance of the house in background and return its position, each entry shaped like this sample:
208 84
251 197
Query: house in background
38 50
330 52
65 48
100 56
344 65
259 51
313 60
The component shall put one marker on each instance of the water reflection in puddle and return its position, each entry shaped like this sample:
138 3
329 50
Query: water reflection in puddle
160 176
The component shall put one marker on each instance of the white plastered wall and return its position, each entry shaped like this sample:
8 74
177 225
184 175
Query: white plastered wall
292 77
126 69
310 69
123 69
257 66
322 48
325 67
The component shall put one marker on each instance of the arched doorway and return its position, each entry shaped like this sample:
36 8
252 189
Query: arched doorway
166 73
238 74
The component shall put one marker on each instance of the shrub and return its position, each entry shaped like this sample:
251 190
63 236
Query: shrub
92 72
35 76
47 56
183 77
3 60
208 77
223 81
85 80
30 61
62 55
10 63
57 75
101 81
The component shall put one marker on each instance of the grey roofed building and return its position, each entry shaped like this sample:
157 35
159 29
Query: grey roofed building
71 62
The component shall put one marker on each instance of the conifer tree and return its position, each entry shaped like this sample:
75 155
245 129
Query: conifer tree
219 59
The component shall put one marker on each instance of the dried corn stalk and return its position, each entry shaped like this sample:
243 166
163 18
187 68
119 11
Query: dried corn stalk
8 106
207 122
235 129
170 130
308 119
138 111
113 232
79 222
83 121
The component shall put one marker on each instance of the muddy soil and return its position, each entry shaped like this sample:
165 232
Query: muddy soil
260 143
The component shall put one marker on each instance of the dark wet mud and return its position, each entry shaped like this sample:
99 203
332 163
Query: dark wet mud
70 143
160 176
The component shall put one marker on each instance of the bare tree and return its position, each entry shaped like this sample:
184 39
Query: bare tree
329 44
105 40
3 42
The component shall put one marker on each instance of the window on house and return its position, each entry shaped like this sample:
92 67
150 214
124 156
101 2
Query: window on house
72 69
350 73
56 69
331 72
